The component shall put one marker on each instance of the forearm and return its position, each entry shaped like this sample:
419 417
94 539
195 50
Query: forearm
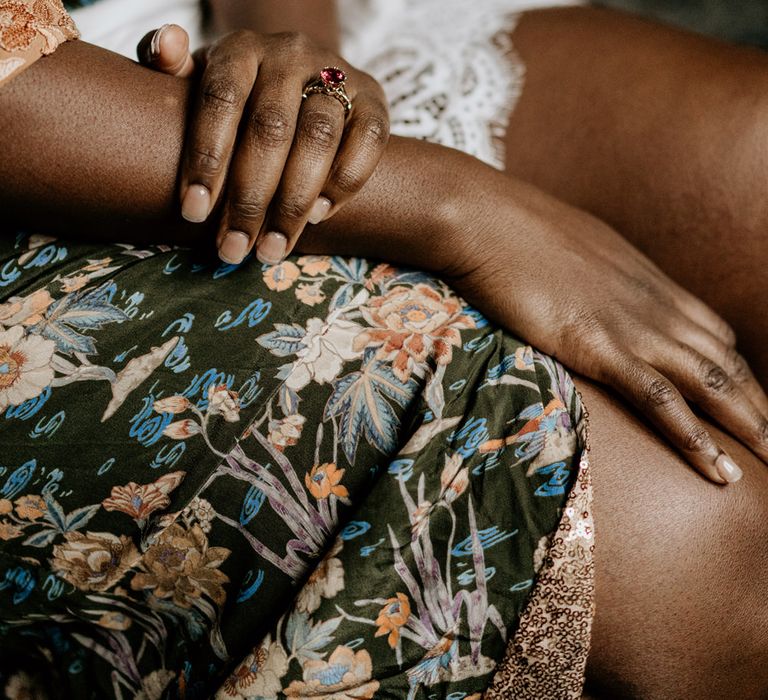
91 145
317 18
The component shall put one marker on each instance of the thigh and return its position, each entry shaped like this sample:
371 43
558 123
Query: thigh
662 134
680 568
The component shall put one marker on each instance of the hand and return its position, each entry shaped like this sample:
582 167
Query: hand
287 161
575 289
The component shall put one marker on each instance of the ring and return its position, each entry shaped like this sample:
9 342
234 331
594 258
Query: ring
331 82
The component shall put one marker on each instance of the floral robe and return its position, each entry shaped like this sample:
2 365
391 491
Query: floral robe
327 478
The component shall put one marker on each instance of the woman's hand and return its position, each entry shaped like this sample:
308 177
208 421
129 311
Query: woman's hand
287 161
575 289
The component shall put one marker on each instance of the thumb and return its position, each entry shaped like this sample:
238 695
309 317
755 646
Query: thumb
167 50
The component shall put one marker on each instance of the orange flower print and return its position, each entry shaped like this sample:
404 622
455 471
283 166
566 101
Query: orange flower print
314 265
5 506
27 311
392 617
381 273
281 277
139 501
8 530
409 325
30 507
324 480
310 294
73 283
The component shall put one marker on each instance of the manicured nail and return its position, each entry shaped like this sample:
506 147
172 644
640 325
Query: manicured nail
234 247
197 204
727 468
271 248
154 46
319 210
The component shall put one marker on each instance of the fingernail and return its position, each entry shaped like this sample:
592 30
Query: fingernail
234 247
154 46
197 204
727 468
271 248
319 210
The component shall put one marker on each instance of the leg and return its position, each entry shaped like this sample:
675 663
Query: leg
681 569
662 134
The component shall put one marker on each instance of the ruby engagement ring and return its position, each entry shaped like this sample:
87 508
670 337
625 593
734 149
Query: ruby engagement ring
331 82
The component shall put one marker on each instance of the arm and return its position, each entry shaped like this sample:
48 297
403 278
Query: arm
91 143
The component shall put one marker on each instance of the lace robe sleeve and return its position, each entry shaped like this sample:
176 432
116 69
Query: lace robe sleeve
30 29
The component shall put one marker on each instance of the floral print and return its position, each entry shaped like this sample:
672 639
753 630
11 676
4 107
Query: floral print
25 366
181 566
94 561
326 479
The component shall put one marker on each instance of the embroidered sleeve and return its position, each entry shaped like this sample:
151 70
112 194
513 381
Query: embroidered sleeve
30 29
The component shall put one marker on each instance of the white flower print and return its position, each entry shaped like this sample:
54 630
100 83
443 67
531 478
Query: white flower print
327 345
25 366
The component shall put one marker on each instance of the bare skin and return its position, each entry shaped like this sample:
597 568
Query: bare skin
693 600
663 135
676 160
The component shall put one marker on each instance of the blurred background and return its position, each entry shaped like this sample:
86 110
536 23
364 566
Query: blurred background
744 21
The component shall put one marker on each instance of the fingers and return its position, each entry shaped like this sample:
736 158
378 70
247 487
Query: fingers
264 147
702 314
225 87
318 135
283 178
658 399
709 385
167 50
365 141
727 357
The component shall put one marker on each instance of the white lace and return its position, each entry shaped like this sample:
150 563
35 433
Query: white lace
448 66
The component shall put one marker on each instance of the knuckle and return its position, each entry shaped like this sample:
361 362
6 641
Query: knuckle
320 130
658 393
247 208
295 42
221 95
348 180
291 208
737 366
270 126
762 433
374 131
696 440
207 162
714 377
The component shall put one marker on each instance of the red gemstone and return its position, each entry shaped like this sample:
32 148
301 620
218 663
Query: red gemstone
333 77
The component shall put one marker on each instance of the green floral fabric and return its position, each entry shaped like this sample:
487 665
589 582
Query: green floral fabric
329 478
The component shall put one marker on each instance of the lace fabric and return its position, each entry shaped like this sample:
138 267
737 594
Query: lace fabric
30 29
448 68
